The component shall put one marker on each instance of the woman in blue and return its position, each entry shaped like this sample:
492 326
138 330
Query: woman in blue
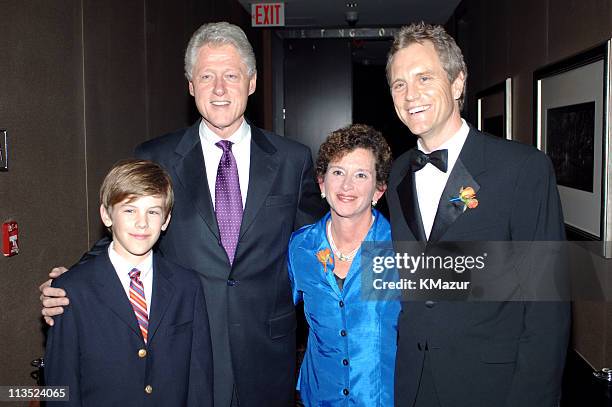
350 355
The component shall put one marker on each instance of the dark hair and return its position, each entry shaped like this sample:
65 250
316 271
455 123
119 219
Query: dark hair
132 179
345 140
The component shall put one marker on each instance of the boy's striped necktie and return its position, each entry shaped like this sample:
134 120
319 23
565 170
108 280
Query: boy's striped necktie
139 304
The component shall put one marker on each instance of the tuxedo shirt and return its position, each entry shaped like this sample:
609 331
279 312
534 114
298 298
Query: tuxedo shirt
430 180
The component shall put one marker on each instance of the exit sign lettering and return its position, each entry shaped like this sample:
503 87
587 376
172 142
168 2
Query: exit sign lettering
268 14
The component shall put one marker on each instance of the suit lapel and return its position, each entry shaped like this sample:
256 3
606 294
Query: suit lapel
162 293
407 193
468 166
110 292
448 212
263 168
191 173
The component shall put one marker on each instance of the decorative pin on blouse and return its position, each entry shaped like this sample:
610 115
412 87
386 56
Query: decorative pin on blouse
324 256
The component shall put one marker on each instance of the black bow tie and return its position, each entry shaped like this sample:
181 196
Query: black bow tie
438 158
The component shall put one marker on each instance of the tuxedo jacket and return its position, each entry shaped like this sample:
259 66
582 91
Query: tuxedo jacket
96 348
483 353
251 312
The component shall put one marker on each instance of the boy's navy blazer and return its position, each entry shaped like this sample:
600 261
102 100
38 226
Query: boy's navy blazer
483 353
96 345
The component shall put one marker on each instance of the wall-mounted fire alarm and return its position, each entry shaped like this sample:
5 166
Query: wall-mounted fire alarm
10 237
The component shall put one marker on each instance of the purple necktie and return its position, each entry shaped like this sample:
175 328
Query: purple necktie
228 200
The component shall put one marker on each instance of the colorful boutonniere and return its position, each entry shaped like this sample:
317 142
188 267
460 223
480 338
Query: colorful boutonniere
324 256
468 197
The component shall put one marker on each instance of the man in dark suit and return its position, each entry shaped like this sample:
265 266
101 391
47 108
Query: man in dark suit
240 192
462 353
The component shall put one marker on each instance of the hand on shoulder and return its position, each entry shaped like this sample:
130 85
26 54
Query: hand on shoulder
53 299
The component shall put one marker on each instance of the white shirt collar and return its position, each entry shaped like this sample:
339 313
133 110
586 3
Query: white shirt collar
208 136
123 266
453 145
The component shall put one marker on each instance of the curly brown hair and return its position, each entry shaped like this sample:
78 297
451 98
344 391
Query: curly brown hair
345 140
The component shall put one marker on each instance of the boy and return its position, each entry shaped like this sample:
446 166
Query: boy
138 332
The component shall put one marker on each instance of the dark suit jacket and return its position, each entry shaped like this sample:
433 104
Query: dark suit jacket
95 346
483 353
251 313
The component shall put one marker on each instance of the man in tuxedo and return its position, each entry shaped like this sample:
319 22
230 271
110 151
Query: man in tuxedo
240 191
462 353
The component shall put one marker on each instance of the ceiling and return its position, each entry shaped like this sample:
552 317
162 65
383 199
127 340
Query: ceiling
371 13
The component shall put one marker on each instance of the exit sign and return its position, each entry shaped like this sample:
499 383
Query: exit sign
268 14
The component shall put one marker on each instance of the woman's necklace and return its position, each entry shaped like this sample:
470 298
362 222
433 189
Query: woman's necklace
339 255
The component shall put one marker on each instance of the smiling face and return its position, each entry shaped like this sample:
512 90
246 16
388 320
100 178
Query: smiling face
424 99
136 224
350 184
221 87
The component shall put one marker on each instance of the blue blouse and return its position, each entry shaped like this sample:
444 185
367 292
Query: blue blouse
350 357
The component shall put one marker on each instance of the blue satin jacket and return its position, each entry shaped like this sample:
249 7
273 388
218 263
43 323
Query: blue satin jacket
350 357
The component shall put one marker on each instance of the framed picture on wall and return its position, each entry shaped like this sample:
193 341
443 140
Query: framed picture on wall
495 109
572 101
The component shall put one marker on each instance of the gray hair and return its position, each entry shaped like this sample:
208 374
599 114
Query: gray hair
447 49
221 33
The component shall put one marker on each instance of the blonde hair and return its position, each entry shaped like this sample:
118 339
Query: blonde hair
447 49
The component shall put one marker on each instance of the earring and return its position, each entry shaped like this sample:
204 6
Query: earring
374 202
323 195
